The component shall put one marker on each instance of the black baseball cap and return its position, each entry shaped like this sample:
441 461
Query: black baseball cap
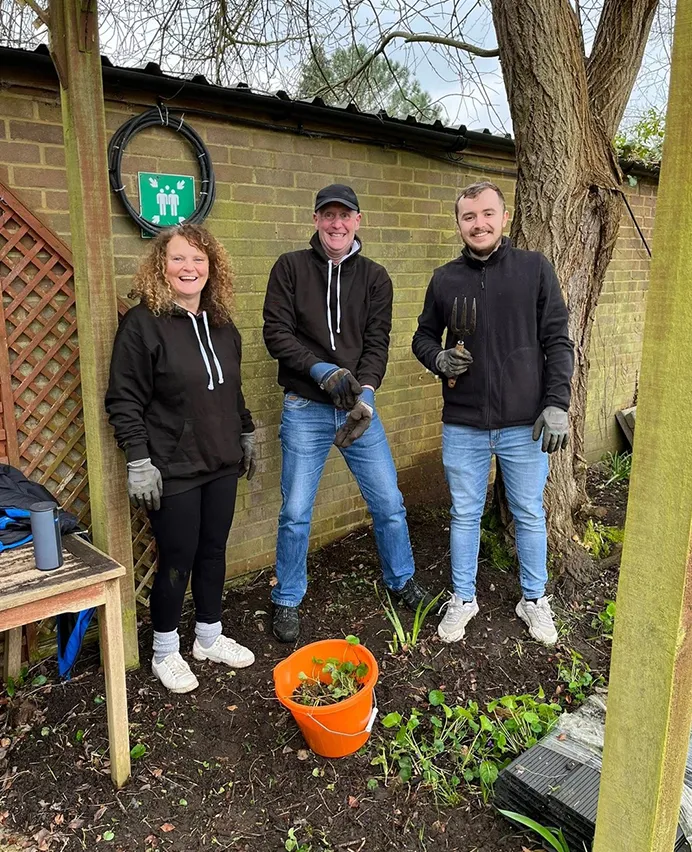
337 193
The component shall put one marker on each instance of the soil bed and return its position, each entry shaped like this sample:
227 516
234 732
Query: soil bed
226 768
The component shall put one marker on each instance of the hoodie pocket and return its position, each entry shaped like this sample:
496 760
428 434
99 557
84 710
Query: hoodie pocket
521 385
206 445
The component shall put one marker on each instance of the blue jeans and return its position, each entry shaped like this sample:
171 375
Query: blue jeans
466 454
307 433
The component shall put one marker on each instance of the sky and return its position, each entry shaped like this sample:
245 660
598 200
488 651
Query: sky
470 89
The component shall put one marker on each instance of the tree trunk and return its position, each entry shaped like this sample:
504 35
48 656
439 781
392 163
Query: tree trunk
568 199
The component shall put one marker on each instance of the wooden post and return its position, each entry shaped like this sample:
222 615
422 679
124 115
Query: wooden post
75 51
650 696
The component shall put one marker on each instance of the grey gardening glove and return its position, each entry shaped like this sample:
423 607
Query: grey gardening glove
144 484
358 420
453 362
554 424
248 464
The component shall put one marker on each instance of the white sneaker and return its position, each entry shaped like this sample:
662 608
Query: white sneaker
457 615
174 673
539 619
224 650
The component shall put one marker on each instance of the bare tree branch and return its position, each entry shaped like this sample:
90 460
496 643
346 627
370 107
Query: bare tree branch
408 37
42 14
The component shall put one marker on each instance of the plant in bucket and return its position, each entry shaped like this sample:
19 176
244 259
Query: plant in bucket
329 687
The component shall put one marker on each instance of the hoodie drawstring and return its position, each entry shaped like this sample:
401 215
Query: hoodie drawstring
330 268
203 351
219 372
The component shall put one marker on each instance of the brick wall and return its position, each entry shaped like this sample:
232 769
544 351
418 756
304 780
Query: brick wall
266 183
616 343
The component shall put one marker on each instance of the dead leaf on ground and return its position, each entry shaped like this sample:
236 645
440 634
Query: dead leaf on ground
273 581
157 773
286 749
302 754
232 707
42 838
353 802
58 819
75 824
167 826
99 813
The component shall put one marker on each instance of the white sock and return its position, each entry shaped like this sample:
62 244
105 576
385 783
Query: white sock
165 644
207 634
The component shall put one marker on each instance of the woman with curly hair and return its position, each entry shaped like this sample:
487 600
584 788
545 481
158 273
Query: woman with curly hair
177 408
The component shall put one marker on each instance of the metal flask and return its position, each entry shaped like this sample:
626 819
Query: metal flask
45 529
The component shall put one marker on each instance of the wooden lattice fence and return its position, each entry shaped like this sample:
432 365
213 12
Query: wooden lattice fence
41 420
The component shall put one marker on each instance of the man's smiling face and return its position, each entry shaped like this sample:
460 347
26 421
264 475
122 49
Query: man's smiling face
481 221
337 225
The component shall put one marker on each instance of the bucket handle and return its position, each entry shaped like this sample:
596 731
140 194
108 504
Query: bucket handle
366 730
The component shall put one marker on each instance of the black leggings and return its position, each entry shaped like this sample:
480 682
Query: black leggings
191 530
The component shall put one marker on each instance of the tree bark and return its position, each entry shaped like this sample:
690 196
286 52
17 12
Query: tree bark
565 111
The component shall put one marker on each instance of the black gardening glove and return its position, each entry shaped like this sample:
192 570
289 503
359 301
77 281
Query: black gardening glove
554 424
343 387
358 420
453 362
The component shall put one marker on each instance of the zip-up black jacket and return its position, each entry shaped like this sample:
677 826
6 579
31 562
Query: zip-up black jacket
297 320
522 355
166 399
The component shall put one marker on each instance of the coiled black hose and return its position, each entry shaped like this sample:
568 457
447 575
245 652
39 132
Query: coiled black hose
116 148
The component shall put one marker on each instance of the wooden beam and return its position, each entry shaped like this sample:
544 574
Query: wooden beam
75 51
650 697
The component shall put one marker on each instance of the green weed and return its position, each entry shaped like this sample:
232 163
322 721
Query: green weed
405 640
449 748
344 680
618 466
553 836
605 619
576 677
292 844
598 538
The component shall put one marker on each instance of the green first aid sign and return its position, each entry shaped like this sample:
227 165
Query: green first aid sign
166 199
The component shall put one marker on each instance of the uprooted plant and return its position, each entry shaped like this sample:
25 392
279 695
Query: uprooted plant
450 747
336 680
402 639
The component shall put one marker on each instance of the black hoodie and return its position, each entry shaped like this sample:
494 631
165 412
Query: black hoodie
522 355
353 332
175 395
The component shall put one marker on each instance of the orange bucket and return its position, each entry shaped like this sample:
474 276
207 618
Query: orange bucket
334 730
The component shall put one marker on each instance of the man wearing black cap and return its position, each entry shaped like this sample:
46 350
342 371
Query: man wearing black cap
327 319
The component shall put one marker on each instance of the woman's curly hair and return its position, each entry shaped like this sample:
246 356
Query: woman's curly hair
152 288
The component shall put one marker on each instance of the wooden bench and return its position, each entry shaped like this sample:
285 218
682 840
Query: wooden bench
88 578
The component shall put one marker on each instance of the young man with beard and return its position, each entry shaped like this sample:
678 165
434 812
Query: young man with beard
509 395
327 319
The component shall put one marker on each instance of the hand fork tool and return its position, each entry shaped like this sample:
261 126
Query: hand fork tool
459 331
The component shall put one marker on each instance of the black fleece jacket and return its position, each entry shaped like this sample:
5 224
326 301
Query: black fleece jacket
169 399
297 320
522 355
